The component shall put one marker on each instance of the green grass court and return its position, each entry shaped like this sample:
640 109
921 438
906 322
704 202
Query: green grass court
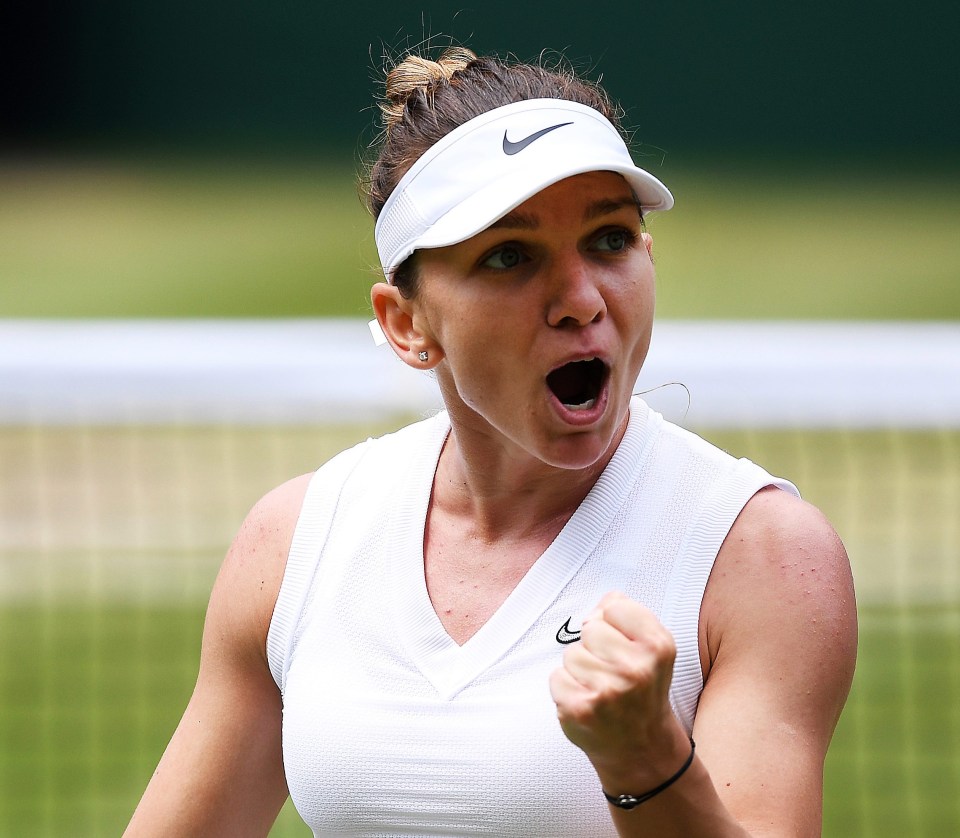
110 537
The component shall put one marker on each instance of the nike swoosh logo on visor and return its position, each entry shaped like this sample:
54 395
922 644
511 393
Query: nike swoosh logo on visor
520 145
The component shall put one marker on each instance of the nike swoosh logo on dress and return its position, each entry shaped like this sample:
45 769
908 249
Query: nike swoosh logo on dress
520 145
565 636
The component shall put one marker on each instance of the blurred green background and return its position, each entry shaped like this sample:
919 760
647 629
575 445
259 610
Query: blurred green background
185 160
148 240
182 159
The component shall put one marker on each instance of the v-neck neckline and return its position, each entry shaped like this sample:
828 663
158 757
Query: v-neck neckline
447 665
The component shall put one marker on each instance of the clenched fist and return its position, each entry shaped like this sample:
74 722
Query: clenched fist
612 691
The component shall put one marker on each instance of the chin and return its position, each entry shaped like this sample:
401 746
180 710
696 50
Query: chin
585 450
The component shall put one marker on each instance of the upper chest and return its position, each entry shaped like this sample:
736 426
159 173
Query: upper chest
468 577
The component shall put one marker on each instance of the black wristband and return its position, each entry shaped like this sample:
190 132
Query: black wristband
628 801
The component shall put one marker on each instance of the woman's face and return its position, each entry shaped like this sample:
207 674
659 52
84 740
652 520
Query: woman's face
542 321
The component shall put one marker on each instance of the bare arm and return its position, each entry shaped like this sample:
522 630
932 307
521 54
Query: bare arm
778 644
222 772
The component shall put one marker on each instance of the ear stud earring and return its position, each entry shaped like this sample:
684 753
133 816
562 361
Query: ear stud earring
424 355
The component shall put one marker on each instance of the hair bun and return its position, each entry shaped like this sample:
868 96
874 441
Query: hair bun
415 74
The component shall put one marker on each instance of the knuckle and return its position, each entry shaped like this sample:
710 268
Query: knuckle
638 672
579 711
662 646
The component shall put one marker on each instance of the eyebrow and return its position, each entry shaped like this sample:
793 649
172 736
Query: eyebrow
518 220
608 206
515 221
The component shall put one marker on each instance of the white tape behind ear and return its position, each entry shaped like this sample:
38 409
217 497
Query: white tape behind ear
379 338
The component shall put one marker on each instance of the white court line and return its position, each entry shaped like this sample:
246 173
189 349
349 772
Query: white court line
756 374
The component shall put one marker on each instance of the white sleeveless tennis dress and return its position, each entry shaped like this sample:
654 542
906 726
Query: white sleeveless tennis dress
390 727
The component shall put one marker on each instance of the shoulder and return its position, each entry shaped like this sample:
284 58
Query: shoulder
785 542
778 523
780 598
250 576
271 519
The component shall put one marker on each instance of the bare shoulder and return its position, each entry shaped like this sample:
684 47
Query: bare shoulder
780 598
782 540
266 532
249 580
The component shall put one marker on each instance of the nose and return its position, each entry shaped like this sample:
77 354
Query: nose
576 297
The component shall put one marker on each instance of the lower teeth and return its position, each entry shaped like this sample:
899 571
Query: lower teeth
582 406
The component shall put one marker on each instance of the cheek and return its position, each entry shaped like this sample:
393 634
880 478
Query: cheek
474 365
647 293
637 297
489 369
637 310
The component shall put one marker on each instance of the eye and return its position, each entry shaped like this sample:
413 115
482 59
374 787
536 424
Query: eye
613 241
503 258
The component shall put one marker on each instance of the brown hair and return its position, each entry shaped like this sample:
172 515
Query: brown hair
425 100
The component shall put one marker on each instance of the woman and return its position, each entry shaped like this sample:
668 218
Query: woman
396 637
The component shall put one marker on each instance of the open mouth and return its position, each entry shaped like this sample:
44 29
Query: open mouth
577 385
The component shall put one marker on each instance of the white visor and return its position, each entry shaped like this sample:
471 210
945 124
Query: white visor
490 165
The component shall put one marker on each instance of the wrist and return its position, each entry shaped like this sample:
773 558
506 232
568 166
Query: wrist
626 800
638 768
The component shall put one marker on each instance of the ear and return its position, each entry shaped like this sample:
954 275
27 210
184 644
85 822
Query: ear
648 243
403 327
